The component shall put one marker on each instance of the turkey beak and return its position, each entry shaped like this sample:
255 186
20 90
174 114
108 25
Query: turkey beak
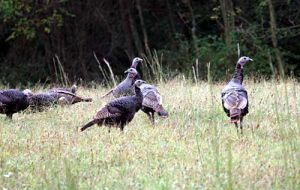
127 71
250 59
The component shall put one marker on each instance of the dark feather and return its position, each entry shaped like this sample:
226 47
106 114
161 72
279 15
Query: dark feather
118 112
12 101
41 102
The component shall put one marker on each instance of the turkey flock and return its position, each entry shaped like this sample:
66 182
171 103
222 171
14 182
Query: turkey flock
130 96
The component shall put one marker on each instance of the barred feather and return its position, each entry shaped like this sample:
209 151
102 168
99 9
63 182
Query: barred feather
235 99
105 113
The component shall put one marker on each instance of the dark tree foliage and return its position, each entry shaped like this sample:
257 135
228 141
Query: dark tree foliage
42 40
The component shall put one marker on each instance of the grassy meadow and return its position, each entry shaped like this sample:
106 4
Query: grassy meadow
195 148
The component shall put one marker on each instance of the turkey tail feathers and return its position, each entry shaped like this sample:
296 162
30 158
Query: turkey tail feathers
234 99
89 124
235 114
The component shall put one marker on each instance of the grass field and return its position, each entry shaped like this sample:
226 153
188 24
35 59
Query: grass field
195 148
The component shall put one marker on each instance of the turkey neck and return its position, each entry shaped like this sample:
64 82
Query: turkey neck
138 93
130 77
134 65
238 74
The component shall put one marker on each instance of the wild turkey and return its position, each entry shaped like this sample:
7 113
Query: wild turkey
134 64
235 97
120 111
67 97
126 87
12 101
152 102
42 101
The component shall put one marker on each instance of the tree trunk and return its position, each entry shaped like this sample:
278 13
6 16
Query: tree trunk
193 30
172 25
124 9
273 26
144 30
136 37
135 34
228 19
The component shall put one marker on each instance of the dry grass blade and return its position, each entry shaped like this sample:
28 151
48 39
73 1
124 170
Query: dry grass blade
112 76
154 62
238 50
101 69
63 75
195 75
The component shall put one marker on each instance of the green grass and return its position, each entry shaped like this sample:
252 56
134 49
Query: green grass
195 148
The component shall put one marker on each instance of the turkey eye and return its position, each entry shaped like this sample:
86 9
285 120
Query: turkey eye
244 58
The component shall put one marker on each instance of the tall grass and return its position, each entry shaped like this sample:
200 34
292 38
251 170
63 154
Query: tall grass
153 66
60 73
109 78
195 148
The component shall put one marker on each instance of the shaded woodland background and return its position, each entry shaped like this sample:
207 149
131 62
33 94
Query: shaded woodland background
40 40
